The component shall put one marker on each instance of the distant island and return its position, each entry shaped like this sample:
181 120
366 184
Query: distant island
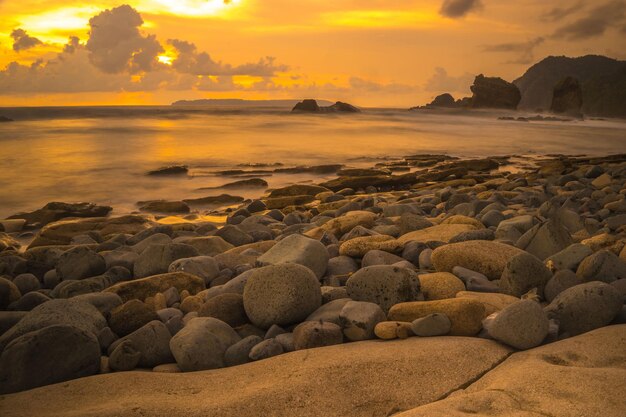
233 102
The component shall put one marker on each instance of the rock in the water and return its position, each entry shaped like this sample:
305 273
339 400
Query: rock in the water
522 273
522 325
384 285
298 249
585 307
435 324
226 307
281 294
493 92
440 285
465 315
202 343
312 334
162 206
80 262
487 257
48 355
56 211
359 318
170 170
148 287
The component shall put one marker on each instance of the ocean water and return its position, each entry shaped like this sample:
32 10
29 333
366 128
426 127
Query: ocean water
102 154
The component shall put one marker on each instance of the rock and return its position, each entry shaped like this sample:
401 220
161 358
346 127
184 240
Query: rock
440 232
298 249
48 355
149 286
602 266
298 189
56 211
156 259
568 258
9 319
544 240
171 170
154 239
124 357
281 294
313 334
522 325
440 285
482 234
209 245
77 314
225 307
341 265
234 235
9 293
329 312
204 267
29 301
486 257
202 343
311 106
342 225
379 257
559 282
585 307
491 301
465 315
26 283
266 349
214 200
389 330
239 353
79 263
359 246
358 319
493 92
152 341
308 106
522 273
192 303
602 181
436 324
162 206
130 316
167 368
384 285
567 97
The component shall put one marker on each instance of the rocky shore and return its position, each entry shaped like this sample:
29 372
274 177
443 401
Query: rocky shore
467 261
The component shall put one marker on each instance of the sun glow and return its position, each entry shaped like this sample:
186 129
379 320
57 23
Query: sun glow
190 8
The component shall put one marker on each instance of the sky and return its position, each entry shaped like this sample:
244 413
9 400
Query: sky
387 53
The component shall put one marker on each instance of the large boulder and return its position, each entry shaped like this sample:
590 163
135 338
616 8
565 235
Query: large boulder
384 285
494 92
298 249
152 341
147 287
522 325
544 240
79 314
487 257
202 343
48 355
156 259
80 262
567 97
522 273
281 294
205 267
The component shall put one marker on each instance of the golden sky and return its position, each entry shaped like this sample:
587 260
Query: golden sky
368 52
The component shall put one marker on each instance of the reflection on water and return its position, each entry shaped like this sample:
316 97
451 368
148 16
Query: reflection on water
102 154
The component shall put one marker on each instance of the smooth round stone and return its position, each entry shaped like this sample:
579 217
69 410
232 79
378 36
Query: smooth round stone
152 341
384 285
105 302
313 334
359 246
167 368
522 273
286 341
544 240
191 304
298 249
379 257
330 311
568 258
266 349
522 325
205 267
226 307
281 294
491 301
425 259
412 251
26 283
130 316
333 293
358 319
157 258
9 293
28 301
239 353
80 262
341 265
51 279
124 357
602 266
436 324
440 285
559 282
389 330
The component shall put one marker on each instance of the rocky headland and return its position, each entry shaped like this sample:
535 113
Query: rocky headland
456 286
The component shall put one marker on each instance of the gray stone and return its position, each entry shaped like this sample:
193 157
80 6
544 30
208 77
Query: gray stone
48 355
266 349
384 285
80 262
9 319
569 258
358 319
333 293
28 301
226 307
152 341
522 273
26 283
341 265
123 258
313 334
239 353
155 239
436 324
602 266
329 312
130 316
204 267
281 294
298 249
234 235
156 259
106 337
379 257
544 240
559 282
103 301
425 259
202 343
522 325
585 307
286 341
124 357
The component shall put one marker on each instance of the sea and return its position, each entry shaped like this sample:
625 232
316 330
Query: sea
102 154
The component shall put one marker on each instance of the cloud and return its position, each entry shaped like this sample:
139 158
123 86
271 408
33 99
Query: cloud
368 86
459 8
442 82
525 51
116 45
559 13
190 61
598 21
22 41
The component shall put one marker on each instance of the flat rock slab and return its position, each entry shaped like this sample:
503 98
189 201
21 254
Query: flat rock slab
371 378
581 376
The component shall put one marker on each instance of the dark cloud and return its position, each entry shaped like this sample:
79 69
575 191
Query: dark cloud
598 21
442 82
190 61
459 8
116 44
22 41
559 13
525 51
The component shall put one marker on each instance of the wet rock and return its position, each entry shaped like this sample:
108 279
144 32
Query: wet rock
162 206
56 211
384 285
170 170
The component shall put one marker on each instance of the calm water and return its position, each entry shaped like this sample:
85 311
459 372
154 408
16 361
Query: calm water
102 154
